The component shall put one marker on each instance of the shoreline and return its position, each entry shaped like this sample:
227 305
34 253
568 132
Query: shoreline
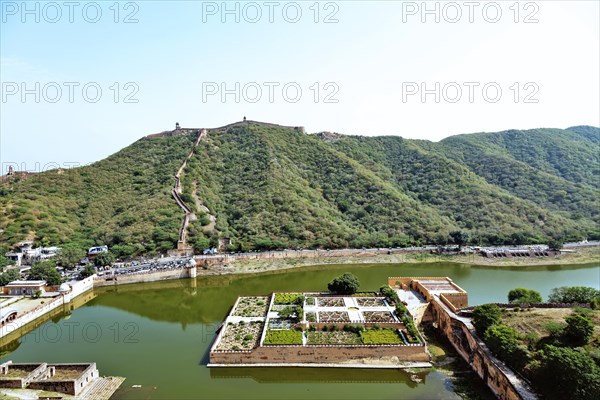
583 256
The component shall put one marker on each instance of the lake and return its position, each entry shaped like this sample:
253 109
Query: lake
158 335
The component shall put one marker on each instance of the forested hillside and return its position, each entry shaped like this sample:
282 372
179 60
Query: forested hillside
274 187
123 201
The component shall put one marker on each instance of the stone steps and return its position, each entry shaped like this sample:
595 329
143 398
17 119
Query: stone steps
101 388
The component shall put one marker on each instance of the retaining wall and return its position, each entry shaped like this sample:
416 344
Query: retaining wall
151 276
318 354
25 318
58 302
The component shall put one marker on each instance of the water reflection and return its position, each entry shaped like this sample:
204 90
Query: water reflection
332 375
175 323
209 298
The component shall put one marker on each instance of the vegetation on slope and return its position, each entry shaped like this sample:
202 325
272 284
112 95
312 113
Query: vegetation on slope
556 169
123 201
490 214
272 187
555 348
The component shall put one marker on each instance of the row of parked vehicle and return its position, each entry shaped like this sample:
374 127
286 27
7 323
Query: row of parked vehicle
140 267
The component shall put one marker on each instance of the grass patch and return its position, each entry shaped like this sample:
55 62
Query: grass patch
287 336
288 298
337 337
381 336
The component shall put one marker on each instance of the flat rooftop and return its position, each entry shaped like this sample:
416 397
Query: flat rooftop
26 283
435 286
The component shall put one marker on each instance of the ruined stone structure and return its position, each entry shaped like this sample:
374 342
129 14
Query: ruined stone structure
63 378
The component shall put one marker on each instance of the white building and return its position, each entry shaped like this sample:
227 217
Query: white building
23 288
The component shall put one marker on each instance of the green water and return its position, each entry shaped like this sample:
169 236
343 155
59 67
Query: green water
158 335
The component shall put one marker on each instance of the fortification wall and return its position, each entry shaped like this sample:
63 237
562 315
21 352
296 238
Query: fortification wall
499 378
455 301
276 255
538 305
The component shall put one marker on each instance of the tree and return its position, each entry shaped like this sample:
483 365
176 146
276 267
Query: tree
390 294
89 270
460 237
8 276
345 284
555 244
567 373
523 295
45 271
485 316
104 259
573 294
5 261
70 256
504 342
579 329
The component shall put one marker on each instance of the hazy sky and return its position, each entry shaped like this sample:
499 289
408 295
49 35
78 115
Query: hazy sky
354 67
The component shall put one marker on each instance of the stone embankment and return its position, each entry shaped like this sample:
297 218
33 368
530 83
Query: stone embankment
150 276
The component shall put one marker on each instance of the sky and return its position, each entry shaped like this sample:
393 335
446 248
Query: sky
81 80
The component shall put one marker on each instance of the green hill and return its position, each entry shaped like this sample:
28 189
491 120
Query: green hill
275 187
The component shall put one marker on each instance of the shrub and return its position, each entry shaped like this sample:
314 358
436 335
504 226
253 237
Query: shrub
9 276
555 329
104 259
522 296
45 270
485 316
286 312
573 294
504 342
555 244
289 298
579 329
87 271
354 328
390 294
567 373
401 310
344 284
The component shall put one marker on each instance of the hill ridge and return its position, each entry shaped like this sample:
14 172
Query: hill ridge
257 185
